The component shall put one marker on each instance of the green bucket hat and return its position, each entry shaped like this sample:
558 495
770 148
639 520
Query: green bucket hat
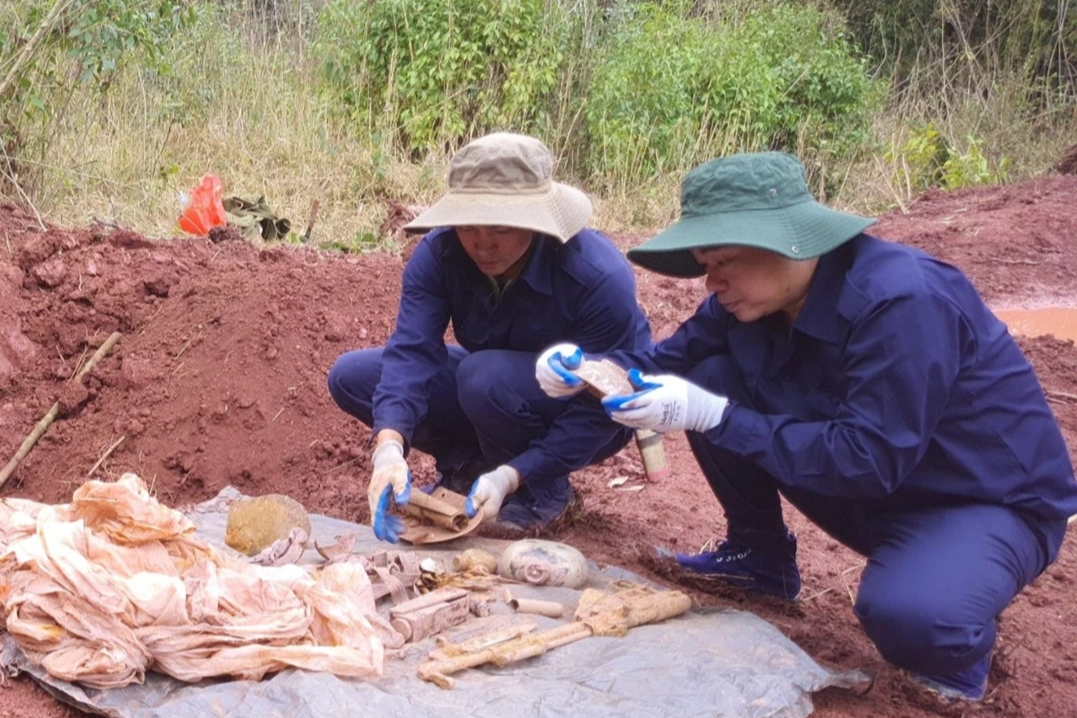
751 200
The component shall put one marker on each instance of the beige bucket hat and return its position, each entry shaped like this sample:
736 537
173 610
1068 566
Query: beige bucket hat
507 179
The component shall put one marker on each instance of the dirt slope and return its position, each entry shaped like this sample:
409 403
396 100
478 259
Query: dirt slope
220 379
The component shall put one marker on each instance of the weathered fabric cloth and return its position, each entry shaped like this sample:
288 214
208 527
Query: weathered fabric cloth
255 218
114 584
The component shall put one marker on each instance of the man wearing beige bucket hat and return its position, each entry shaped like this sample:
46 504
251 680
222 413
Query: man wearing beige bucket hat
867 384
508 262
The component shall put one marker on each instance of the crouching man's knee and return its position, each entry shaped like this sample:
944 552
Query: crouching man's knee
918 630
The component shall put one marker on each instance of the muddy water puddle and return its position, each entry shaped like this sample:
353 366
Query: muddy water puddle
1060 321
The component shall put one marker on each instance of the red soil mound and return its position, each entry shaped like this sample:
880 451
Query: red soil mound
220 379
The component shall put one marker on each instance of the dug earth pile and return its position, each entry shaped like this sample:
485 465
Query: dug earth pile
219 379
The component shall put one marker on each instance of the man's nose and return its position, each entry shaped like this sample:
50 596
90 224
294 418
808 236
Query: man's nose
715 283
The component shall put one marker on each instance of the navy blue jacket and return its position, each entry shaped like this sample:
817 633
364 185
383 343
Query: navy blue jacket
896 385
582 291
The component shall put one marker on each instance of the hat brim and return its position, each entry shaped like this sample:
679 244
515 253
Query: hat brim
799 231
561 212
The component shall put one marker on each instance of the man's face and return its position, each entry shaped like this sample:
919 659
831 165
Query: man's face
495 249
752 283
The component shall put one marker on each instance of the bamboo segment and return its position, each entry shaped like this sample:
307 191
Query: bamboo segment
28 443
550 609
653 455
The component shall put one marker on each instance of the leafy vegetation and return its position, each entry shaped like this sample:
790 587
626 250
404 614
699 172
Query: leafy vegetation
781 78
447 70
114 108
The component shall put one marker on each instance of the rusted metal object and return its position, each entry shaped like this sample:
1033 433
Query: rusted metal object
340 550
284 550
600 613
437 517
430 613
604 378
475 559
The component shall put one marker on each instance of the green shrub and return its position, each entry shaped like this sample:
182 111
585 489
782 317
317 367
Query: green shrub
928 159
441 71
643 109
670 87
972 167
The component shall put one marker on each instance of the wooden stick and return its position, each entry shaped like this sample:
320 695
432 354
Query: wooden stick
28 443
101 353
108 452
1060 395
42 426
310 225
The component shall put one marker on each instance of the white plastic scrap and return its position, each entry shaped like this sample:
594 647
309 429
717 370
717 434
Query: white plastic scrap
114 584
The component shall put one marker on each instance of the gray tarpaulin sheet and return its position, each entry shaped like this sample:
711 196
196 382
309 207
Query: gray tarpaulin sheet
707 663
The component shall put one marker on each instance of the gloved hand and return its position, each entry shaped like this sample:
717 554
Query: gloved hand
391 476
666 403
552 370
489 492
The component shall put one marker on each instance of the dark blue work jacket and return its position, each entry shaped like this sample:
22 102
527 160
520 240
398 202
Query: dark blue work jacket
582 291
896 386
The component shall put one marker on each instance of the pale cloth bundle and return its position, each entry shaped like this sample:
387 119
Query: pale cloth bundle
114 584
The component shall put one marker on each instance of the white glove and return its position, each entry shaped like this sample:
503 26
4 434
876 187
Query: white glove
489 492
390 472
552 370
666 403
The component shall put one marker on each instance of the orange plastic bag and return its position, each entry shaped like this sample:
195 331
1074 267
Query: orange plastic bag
205 210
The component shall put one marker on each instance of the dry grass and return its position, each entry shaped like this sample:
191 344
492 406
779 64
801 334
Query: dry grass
249 115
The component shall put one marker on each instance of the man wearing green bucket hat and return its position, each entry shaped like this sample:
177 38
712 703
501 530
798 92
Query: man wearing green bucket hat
867 384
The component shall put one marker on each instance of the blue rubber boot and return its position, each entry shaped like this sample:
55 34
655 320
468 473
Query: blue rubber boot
530 508
968 685
760 562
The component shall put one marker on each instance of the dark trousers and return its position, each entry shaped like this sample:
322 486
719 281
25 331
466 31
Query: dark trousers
937 577
487 409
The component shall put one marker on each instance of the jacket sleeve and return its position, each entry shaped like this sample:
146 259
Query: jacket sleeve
609 316
416 350
901 363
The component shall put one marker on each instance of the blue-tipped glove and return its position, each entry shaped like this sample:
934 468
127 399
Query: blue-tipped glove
387 526
666 403
391 478
553 370
489 492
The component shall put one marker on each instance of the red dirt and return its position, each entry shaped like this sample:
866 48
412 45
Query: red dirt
220 379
